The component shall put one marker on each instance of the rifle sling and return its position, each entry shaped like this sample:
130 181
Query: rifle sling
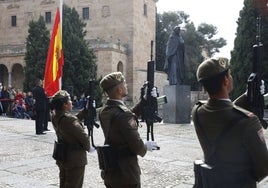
225 130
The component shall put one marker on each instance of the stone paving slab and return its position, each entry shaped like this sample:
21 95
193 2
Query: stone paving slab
26 161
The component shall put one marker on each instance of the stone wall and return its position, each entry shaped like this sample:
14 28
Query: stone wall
198 95
114 22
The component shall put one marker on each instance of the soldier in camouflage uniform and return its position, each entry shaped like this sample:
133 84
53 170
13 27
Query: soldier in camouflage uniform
120 127
241 157
70 130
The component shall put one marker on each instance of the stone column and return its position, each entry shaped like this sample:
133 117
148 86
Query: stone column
9 78
178 107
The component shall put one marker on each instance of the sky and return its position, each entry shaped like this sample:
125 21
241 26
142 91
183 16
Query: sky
221 13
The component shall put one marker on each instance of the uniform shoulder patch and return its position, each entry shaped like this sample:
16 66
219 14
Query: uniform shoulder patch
133 123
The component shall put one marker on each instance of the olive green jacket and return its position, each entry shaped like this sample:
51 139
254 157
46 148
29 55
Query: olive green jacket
242 149
72 131
120 128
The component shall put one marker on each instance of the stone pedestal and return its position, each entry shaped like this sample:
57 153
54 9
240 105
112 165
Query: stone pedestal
178 107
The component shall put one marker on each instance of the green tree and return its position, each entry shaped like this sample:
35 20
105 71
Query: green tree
242 54
79 61
193 57
160 46
37 44
208 43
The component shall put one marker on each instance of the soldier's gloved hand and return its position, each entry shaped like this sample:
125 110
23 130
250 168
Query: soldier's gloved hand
92 149
154 92
151 145
86 103
262 87
144 91
94 104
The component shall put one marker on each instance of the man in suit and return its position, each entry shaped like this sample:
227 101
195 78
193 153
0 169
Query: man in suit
40 106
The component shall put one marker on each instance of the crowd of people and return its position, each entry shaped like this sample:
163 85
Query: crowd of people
16 103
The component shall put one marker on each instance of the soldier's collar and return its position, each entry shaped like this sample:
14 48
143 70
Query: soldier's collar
120 101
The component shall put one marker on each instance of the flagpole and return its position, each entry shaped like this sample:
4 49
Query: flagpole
61 4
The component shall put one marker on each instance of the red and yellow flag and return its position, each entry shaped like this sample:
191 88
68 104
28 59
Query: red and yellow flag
55 61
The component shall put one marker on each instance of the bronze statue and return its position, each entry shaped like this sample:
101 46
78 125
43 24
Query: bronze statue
174 63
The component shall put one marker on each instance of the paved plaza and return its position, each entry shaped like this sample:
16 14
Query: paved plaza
26 162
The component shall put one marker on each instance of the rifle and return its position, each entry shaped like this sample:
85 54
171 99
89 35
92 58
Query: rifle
150 108
90 120
255 98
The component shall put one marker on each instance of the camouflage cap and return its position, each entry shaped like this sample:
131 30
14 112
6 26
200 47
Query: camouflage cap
61 94
211 67
111 80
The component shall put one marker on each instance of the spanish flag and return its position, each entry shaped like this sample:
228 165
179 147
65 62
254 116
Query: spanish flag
55 61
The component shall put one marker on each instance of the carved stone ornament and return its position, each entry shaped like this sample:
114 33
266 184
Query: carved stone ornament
45 2
12 6
106 12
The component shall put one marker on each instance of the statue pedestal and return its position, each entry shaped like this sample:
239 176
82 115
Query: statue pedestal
178 107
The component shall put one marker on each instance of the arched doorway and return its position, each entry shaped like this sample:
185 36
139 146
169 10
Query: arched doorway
17 76
120 67
4 75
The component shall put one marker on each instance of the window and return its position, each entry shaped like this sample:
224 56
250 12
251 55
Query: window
48 17
13 21
145 9
85 13
120 66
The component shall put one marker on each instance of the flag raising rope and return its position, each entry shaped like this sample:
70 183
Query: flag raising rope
55 60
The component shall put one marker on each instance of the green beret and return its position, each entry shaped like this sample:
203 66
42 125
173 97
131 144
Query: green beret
111 80
61 94
211 67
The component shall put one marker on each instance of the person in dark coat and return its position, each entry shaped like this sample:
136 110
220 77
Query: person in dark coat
1 107
120 128
5 100
70 131
40 106
239 157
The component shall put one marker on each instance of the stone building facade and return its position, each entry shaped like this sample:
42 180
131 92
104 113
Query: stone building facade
119 31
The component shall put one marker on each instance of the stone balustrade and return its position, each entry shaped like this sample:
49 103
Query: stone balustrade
9 49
